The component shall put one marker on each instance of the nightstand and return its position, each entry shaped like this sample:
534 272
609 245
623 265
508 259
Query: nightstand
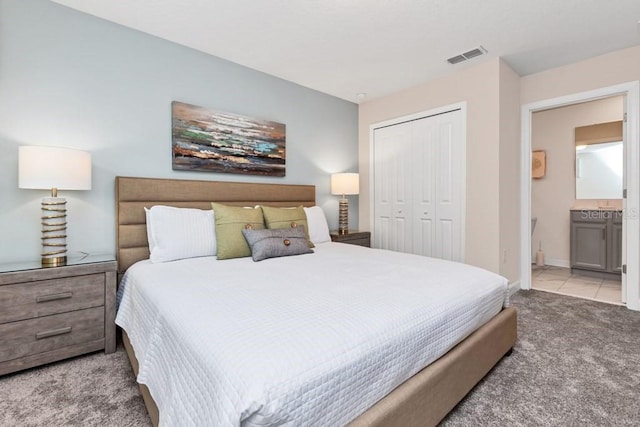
50 314
353 237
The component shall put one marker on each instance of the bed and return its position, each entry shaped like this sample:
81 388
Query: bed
422 399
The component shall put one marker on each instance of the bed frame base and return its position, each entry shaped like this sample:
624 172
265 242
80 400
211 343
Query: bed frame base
427 397
152 408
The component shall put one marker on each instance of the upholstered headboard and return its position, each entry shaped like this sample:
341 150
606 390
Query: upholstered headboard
133 194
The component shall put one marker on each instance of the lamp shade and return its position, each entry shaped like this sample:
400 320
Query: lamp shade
345 183
53 167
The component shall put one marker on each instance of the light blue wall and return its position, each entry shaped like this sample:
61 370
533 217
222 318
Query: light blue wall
73 80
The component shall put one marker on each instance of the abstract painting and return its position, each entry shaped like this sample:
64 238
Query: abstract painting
214 141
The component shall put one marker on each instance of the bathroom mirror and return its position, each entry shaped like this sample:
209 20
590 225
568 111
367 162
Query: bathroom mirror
599 170
599 160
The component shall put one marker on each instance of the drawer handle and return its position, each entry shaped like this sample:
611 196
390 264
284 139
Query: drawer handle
54 297
53 333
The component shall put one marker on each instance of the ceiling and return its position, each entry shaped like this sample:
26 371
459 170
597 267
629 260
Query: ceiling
377 47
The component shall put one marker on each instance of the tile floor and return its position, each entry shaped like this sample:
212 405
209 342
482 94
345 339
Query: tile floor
560 280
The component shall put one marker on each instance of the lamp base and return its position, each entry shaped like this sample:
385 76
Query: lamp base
343 216
54 261
54 231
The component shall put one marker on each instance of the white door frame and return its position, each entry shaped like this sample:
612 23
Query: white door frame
632 203
462 106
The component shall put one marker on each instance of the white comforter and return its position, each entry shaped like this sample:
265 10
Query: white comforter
307 340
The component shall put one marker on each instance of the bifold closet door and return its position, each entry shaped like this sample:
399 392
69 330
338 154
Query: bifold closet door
418 180
392 188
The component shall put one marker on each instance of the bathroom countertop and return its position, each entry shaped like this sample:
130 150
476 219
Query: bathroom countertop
595 209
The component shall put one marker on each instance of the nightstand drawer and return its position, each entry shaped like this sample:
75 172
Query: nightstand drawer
360 242
353 237
34 299
27 337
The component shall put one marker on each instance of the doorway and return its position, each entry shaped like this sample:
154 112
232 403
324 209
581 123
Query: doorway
574 244
631 204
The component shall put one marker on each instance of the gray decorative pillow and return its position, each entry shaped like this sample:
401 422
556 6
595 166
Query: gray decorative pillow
277 242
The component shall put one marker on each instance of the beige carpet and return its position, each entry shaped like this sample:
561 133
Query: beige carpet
575 364
93 390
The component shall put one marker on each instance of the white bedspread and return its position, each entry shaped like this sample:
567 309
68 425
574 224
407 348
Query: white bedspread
309 340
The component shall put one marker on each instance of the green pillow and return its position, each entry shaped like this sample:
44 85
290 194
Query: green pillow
230 221
286 218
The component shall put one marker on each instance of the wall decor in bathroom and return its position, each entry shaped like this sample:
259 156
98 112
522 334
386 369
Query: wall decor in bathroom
214 141
538 164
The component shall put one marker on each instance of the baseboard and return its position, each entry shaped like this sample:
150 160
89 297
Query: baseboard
555 262
514 287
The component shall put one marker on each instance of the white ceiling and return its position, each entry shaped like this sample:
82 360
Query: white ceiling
377 47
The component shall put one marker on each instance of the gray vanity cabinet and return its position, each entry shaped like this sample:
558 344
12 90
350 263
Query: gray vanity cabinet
596 240
614 251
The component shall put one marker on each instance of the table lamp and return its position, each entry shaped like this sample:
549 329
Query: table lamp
56 169
344 184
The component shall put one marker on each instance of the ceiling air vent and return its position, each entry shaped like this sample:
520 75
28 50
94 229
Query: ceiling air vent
467 55
457 59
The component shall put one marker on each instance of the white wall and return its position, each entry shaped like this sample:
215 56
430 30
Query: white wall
478 86
74 80
509 173
615 68
490 90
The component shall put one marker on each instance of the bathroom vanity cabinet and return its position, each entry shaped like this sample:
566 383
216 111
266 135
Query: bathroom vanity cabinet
596 241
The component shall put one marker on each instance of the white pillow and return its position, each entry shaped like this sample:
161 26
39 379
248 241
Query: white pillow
150 239
318 228
177 233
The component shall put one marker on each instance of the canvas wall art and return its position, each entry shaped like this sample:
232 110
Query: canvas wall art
215 141
538 164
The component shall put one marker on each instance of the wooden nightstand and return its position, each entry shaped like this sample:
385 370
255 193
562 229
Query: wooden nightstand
353 237
50 314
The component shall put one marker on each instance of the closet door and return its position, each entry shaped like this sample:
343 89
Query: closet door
392 188
424 168
448 156
418 186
